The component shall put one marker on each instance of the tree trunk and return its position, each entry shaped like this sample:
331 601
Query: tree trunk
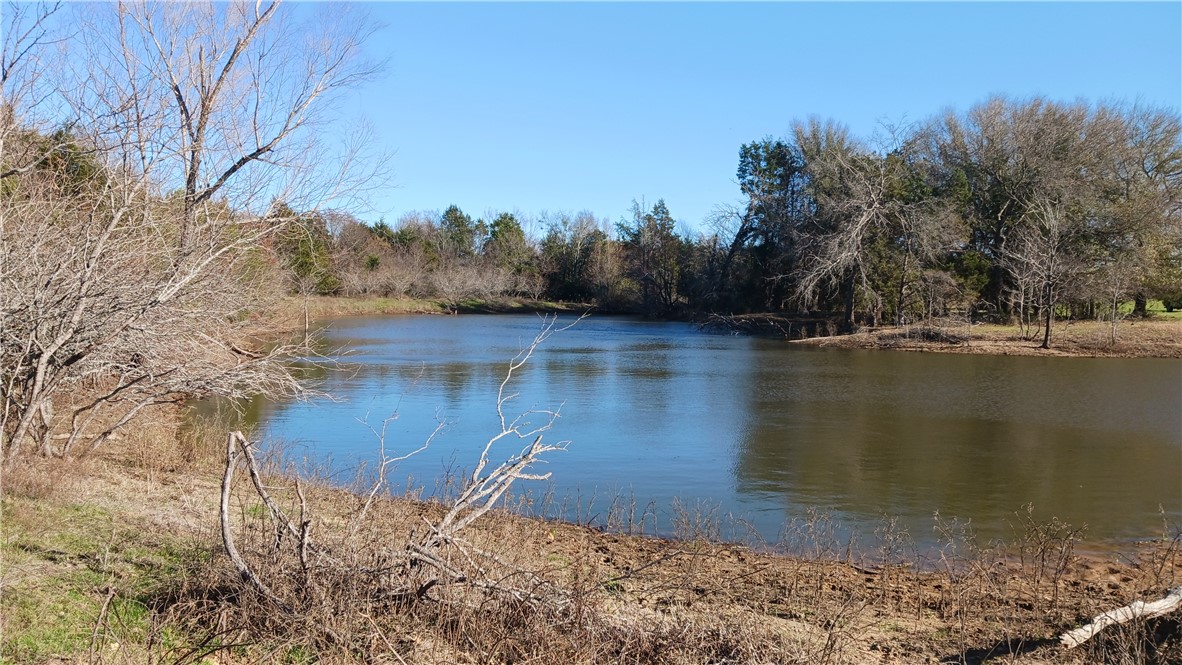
1115 305
1139 305
1046 335
847 323
902 293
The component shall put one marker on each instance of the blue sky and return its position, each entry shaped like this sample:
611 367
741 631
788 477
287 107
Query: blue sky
557 106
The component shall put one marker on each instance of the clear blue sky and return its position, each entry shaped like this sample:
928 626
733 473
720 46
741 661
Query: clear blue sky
556 106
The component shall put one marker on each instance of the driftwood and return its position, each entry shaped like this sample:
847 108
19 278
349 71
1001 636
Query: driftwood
1137 609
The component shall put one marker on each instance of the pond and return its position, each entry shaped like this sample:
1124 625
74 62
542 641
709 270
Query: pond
757 433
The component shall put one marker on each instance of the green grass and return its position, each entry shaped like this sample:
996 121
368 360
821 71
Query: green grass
1153 308
1157 310
333 306
55 620
61 561
299 655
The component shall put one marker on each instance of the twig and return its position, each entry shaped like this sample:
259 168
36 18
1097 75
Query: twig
98 622
669 556
305 532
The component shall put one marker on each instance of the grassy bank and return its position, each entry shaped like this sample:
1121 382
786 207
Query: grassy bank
1135 338
117 559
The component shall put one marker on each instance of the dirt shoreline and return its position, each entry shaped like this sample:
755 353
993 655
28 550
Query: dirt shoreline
1155 337
137 529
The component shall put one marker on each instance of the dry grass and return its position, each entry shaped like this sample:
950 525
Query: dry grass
1156 338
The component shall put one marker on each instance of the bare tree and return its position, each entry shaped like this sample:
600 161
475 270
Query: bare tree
858 205
851 194
1044 251
1115 280
134 240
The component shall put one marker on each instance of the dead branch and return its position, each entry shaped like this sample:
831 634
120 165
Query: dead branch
1137 609
385 465
407 570
234 443
484 488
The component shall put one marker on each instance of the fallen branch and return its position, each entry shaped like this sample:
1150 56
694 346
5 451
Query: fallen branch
233 445
405 571
1137 609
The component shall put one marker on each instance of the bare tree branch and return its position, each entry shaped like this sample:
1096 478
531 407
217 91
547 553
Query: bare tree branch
117 295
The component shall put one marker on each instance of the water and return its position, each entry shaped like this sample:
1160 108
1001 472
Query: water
762 430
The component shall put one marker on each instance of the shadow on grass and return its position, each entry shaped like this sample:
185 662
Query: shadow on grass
1012 647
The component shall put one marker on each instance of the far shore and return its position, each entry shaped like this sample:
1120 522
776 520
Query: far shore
1144 338
1159 336
321 307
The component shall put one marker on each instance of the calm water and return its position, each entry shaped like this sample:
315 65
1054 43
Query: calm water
764 430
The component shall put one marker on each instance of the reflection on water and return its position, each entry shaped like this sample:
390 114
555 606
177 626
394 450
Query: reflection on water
767 430
1091 441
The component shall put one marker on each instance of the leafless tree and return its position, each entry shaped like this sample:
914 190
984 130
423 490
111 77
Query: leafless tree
856 203
134 241
1115 280
851 203
1044 252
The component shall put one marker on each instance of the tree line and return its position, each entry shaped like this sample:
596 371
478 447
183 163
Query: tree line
627 266
1014 211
